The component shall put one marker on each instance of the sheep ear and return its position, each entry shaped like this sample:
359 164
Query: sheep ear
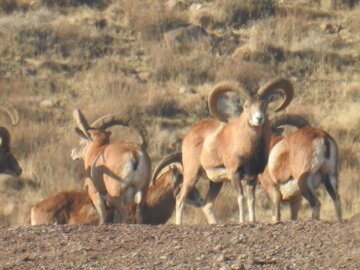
81 134
1 141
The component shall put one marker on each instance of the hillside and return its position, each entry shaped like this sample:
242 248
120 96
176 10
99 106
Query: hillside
157 61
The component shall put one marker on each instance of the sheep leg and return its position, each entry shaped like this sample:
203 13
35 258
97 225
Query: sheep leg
236 182
214 189
251 187
330 183
120 215
306 190
275 205
100 208
97 200
190 179
295 204
138 211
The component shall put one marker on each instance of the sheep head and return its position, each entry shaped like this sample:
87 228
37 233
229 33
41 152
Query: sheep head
97 133
8 163
255 103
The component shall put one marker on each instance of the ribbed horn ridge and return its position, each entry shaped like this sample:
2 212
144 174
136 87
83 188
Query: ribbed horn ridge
221 88
165 161
11 111
81 122
109 120
285 85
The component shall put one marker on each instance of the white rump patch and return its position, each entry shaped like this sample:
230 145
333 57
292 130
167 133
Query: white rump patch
289 189
127 173
217 174
318 154
138 197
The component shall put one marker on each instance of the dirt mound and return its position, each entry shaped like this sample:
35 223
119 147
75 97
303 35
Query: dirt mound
290 245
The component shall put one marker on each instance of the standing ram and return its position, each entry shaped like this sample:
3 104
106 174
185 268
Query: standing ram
120 170
8 163
297 164
234 150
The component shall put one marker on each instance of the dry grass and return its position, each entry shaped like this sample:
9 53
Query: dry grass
108 56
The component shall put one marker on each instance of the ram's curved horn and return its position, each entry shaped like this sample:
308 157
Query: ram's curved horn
165 161
219 90
81 123
11 111
110 120
285 85
290 120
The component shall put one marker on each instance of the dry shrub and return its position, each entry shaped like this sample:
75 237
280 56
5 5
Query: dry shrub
152 19
208 17
349 190
352 19
249 74
81 56
195 67
37 33
106 88
242 12
76 3
9 6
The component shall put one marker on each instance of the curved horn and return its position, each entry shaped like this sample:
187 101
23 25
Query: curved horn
119 119
221 88
11 111
290 120
165 161
268 89
81 122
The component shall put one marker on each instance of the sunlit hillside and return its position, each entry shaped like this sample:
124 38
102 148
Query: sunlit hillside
157 61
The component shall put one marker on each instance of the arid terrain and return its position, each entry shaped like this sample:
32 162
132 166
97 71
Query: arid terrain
289 245
157 61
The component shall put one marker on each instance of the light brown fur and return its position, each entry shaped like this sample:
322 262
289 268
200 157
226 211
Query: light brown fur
76 207
233 151
309 156
119 170
66 207
116 172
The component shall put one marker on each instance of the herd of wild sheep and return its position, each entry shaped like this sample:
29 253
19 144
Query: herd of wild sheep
122 189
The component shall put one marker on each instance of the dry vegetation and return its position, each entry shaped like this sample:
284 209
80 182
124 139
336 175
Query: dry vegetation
109 56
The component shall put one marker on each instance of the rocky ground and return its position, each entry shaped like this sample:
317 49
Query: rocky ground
288 245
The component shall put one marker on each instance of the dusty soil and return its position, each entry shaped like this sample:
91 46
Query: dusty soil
288 245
